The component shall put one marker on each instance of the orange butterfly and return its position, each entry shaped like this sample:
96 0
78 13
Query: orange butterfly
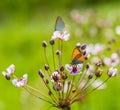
77 57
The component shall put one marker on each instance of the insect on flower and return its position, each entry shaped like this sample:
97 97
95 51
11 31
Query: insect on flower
59 25
77 57
60 79
59 32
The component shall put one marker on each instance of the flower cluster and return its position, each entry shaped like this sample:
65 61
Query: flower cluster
17 82
74 80
97 26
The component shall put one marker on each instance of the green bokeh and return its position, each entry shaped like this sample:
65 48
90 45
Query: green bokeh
24 24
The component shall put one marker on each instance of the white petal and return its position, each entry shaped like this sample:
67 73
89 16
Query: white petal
68 67
95 60
25 76
90 70
97 49
14 82
79 66
66 36
20 82
114 56
98 83
107 61
11 69
118 30
112 72
61 35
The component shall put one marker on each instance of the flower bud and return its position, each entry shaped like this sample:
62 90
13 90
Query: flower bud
78 45
62 68
44 43
52 42
87 66
84 52
90 76
57 87
112 72
64 76
98 73
58 52
83 47
86 57
50 93
55 76
41 74
74 90
7 76
46 67
99 63
47 82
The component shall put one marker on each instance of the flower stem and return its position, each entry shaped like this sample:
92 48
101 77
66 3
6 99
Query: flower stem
71 86
81 79
38 96
61 52
53 98
74 99
28 86
63 90
60 56
53 56
97 87
46 57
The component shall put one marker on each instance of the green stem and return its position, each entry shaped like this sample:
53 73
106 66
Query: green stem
53 56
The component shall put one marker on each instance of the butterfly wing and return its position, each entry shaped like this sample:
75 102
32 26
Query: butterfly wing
60 25
77 57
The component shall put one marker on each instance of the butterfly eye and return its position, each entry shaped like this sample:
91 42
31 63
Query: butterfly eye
60 25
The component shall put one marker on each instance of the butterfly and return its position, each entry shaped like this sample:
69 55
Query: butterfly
77 57
59 25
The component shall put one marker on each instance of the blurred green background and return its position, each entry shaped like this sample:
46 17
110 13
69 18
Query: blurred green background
24 24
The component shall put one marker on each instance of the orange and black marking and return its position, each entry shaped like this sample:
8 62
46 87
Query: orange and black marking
77 57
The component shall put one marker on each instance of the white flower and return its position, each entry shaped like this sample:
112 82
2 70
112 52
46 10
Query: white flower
95 60
61 35
118 30
74 69
20 82
94 49
90 70
9 71
112 61
99 84
112 72
55 77
89 48
77 17
97 49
